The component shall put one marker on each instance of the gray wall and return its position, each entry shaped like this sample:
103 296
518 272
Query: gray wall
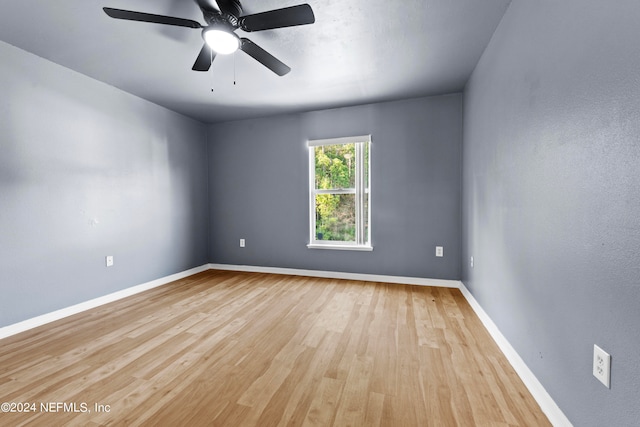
552 197
259 188
88 171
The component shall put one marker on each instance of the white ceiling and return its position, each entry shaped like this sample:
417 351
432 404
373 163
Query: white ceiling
358 51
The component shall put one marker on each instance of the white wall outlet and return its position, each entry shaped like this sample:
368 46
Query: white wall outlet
602 365
439 251
109 260
242 243
471 261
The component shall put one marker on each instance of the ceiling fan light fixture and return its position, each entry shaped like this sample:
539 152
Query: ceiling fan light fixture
221 41
223 18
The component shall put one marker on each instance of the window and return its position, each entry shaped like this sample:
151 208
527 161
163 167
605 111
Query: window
339 193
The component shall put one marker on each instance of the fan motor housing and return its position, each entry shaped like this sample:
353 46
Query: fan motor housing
230 11
231 7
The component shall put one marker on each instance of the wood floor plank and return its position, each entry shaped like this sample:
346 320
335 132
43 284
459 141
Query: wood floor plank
247 349
323 408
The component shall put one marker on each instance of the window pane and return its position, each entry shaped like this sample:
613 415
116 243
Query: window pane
336 217
366 165
335 166
366 218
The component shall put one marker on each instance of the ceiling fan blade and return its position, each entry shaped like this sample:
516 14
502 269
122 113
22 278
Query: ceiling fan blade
204 59
279 18
149 17
208 5
264 57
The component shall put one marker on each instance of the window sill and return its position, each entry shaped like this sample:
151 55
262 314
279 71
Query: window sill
337 247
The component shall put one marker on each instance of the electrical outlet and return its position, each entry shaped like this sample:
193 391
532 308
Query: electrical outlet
242 243
439 251
602 366
109 260
472 262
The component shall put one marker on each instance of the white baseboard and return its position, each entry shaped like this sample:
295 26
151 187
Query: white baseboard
547 404
340 275
96 302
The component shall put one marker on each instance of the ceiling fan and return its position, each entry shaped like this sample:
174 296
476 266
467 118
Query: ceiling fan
223 17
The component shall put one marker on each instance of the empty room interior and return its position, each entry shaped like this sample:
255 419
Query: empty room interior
347 213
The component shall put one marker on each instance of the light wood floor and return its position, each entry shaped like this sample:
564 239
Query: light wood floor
247 349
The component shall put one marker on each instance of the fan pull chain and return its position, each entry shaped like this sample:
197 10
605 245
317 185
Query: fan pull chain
234 67
211 68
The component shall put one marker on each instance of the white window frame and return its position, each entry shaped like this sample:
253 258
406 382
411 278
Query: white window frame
363 242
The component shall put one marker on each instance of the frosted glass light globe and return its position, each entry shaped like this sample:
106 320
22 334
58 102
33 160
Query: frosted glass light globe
222 42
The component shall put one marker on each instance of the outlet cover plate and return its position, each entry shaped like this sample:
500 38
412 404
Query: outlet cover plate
602 366
439 251
109 260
